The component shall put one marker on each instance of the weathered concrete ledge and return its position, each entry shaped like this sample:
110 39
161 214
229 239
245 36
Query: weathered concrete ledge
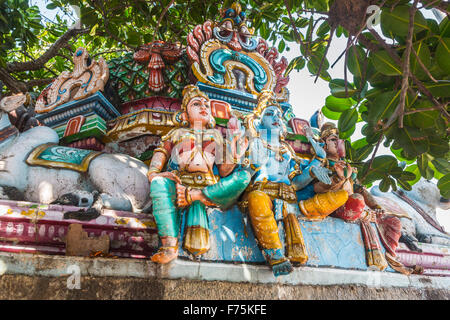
22 274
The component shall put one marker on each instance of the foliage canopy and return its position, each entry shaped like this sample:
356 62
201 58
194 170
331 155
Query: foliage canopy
400 87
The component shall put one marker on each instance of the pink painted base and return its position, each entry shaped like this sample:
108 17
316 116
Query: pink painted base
434 259
33 228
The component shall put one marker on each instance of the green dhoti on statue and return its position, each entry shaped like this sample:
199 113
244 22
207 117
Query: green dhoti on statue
168 216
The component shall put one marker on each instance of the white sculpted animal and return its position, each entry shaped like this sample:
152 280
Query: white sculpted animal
426 195
120 179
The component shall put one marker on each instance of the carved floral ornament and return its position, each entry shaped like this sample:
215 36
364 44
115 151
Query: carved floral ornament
87 77
226 55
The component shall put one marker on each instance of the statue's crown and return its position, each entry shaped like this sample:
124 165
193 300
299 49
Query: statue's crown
190 92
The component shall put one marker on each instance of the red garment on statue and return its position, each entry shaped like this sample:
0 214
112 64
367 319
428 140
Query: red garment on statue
352 209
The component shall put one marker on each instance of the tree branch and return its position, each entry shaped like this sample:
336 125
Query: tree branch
294 27
380 139
397 60
16 86
423 66
400 110
160 19
47 55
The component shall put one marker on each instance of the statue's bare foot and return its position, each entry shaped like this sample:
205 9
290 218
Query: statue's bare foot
282 268
168 252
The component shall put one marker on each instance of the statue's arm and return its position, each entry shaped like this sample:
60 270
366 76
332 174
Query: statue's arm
159 161
235 146
313 170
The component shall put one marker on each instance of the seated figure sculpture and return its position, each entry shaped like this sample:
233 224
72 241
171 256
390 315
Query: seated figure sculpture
358 206
277 174
193 159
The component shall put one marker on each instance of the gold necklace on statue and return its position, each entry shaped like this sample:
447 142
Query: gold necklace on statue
279 151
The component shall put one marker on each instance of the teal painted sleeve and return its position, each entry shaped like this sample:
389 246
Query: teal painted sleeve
167 216
225 192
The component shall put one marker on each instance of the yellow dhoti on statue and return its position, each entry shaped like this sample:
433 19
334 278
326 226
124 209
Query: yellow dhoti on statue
265 226
323 204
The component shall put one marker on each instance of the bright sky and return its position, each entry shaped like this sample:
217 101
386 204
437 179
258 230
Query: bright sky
306 96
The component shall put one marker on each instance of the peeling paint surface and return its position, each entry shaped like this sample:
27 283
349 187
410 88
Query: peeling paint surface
329 243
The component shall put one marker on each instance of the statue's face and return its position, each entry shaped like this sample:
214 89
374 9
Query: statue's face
272 120
199 111
335 147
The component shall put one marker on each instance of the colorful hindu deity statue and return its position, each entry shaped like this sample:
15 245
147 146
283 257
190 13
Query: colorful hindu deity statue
356 205
189 173
278 173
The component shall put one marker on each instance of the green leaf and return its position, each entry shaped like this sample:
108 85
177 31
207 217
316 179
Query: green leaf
443 54
323 29
399 155
415 171
384 64
314 64
281 46
441 165
383 106
404 184
337 87
347 134
396 21
440 89
424 55
51 6
347 120
133 37
438 147
444 28
356 60
408 176
363 152
297 63
381 167
92 33
413 141
444 186
424 119
385 184
424 169
330 114
338 105
358 144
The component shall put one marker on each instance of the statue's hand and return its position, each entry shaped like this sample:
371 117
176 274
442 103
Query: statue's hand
193 194
237 141
320 152
181 196
166 174
339 168
349 171
322 174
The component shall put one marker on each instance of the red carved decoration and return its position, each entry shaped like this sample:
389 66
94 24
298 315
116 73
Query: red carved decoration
74 125
299 146
298 125
155 102
155 53
196 38
279 67
220 109
91 143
